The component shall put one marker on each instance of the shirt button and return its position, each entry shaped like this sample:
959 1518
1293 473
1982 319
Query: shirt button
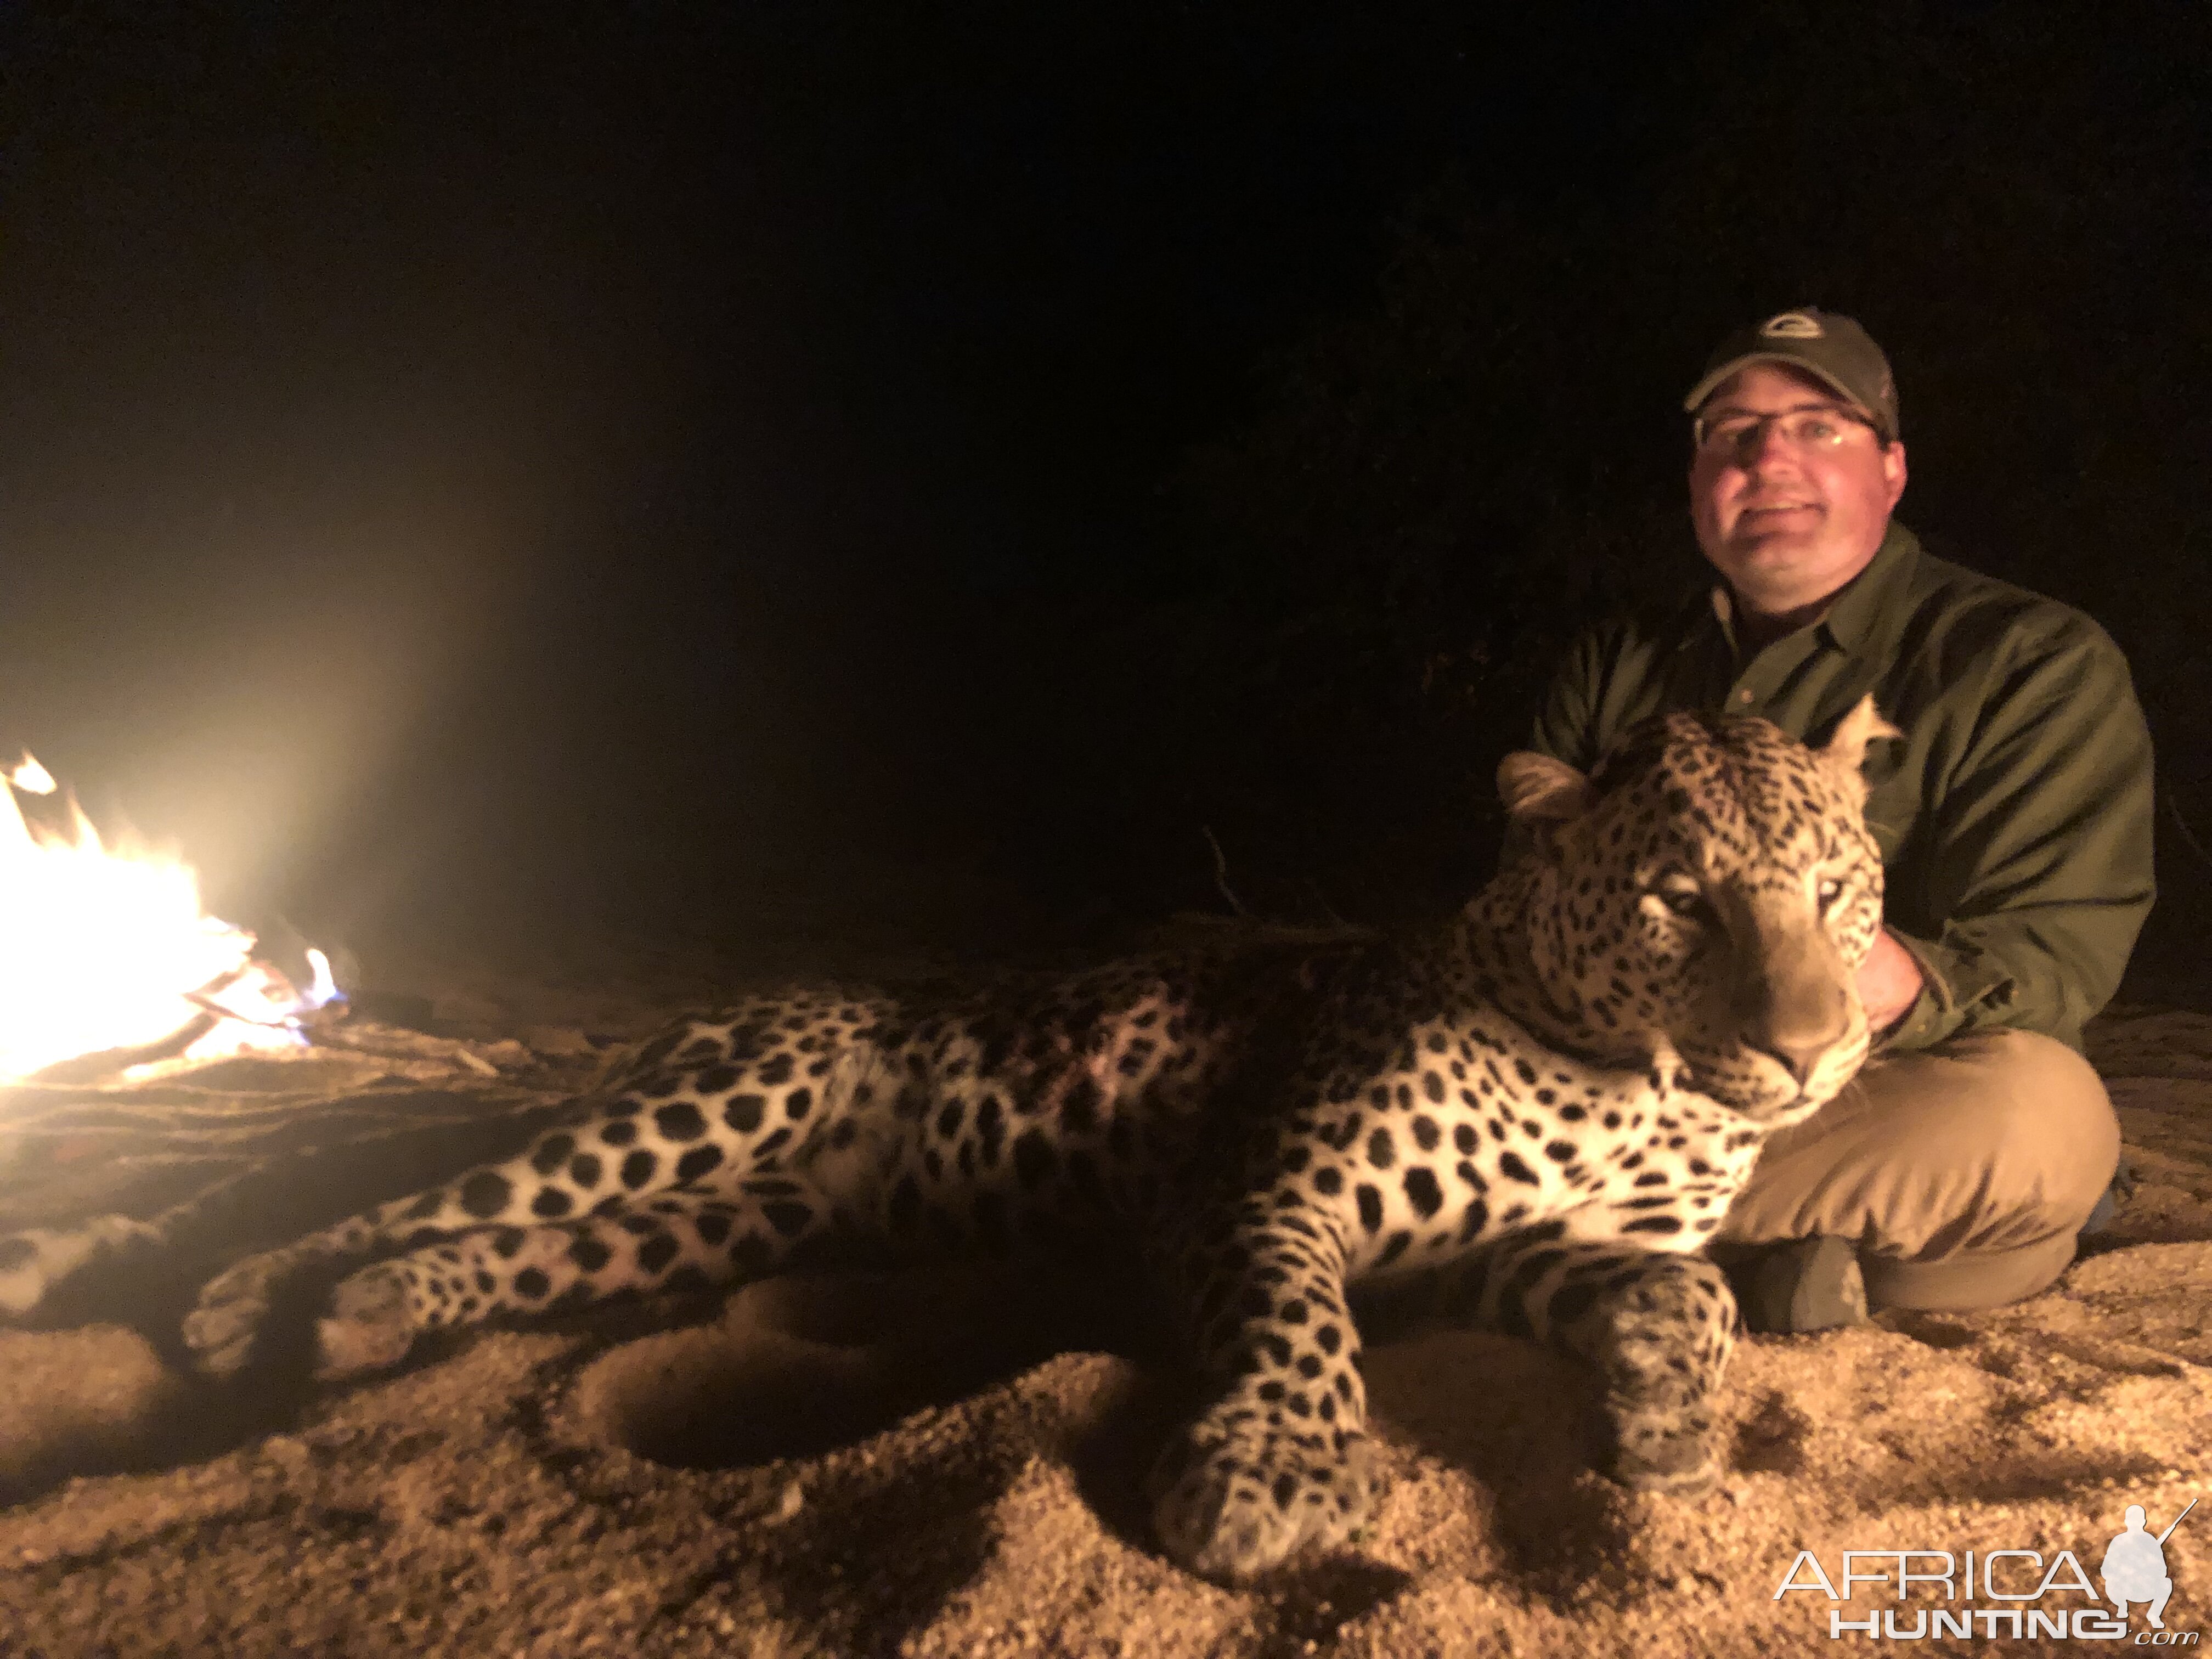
1744 696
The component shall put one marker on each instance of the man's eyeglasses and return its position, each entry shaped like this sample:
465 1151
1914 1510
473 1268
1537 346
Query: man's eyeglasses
1738 432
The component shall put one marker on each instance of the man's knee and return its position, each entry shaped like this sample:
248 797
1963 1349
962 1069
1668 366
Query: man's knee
2014 1121
1963 1172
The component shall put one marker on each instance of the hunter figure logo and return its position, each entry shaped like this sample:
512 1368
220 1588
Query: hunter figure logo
2029 1595
2135 1566
1792 325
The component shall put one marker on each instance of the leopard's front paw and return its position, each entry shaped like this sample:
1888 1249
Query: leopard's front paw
1229 1503
370 1324
1673 1451
222 1328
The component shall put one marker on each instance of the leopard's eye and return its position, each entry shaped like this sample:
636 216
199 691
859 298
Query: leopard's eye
1683 898
1827 893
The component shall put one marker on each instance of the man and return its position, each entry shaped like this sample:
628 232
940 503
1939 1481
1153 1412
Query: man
2134 1569
2014 818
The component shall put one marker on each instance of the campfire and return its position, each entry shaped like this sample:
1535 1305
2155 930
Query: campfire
108 964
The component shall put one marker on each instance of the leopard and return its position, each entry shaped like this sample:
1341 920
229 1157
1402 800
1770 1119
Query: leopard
1538 1111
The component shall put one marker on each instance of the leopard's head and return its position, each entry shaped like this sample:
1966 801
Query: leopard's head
1709 889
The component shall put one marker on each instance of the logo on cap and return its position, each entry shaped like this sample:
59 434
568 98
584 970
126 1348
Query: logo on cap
1792 325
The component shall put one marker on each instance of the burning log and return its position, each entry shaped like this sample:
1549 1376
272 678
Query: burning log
107 961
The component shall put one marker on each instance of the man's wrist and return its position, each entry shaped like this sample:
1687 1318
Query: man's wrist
1890 983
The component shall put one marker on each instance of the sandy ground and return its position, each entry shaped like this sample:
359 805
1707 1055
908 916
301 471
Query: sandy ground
861 1465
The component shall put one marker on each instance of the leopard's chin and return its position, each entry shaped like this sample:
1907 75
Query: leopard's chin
1749 1098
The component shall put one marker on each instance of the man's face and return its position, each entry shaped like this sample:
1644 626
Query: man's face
1786 520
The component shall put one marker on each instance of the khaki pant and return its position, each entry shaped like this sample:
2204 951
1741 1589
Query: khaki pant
1964 1171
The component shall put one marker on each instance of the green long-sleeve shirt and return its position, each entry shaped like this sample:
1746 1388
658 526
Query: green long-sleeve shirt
2013 818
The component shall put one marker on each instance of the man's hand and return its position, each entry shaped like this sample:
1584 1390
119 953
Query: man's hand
1889 982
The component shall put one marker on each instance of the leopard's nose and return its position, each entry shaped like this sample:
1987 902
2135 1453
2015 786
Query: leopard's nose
1796 1058
1797 1025
1793 1003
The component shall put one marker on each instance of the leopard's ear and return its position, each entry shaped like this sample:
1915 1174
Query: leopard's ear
1846 748
1537 787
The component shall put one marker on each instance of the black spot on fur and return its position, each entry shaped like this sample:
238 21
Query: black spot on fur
551 1153
485 1193
1423 1193
1370 1207
698 1162
788 1218
551 1203
1510 1166
589 1254
584 1169
1571 1302
681 1122
775 1073
743 1113
638 1169
532 1284
620 1133
657 1253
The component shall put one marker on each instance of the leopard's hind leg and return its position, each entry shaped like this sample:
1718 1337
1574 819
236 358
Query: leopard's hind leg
682 1240
707 1107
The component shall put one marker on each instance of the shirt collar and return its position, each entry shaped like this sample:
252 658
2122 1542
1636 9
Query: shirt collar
1852 617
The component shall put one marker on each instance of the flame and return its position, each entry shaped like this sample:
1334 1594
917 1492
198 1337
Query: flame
105 948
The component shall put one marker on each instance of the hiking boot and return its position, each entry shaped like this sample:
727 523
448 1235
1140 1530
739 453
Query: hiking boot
1798 1285
2125 1180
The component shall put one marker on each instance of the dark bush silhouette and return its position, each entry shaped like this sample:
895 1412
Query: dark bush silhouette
1383 566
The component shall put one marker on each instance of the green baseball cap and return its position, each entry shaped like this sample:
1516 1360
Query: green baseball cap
1830 347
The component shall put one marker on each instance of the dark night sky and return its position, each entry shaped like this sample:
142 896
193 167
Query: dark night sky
495 459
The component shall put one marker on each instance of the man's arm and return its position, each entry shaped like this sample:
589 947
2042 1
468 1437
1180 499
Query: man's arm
1566 720
1566 724
2038 849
